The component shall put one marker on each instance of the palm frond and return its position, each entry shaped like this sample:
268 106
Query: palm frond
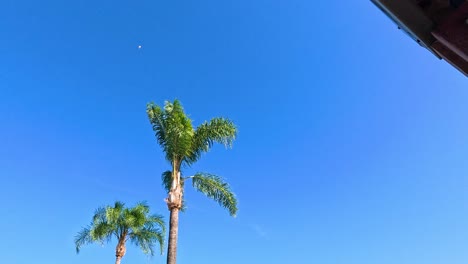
113 213
157 221
136 217
101 228
183 207
102 232
166 179
146 240
215 188
157 119
99 215
82 238
147 235
174 130
218 130
179 130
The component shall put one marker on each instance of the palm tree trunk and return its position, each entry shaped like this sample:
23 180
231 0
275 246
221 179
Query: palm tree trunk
173 230
120 249
174 203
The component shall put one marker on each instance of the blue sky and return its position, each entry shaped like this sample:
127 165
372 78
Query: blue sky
352 139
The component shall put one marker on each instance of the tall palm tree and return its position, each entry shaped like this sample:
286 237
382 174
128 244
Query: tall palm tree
134 224
183 146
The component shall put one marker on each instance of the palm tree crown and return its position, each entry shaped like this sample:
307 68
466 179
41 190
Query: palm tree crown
184 145
134 224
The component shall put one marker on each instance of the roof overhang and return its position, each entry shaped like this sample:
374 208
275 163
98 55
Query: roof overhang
414 21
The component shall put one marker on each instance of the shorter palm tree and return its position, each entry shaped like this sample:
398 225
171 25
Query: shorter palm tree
134 224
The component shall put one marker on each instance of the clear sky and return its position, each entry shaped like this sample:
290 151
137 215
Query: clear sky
352 146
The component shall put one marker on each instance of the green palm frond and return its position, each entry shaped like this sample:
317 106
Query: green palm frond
152 231
157 221
113 213
82 238
145 239
166 179
136 217
215 188
102 228
183 208
158 119
99 215
174 130
218 130
102 232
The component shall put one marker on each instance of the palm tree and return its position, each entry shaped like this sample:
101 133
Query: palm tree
134 224
183 146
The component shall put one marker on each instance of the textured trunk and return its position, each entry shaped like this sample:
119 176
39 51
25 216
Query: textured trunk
173 230
174 203
120 250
